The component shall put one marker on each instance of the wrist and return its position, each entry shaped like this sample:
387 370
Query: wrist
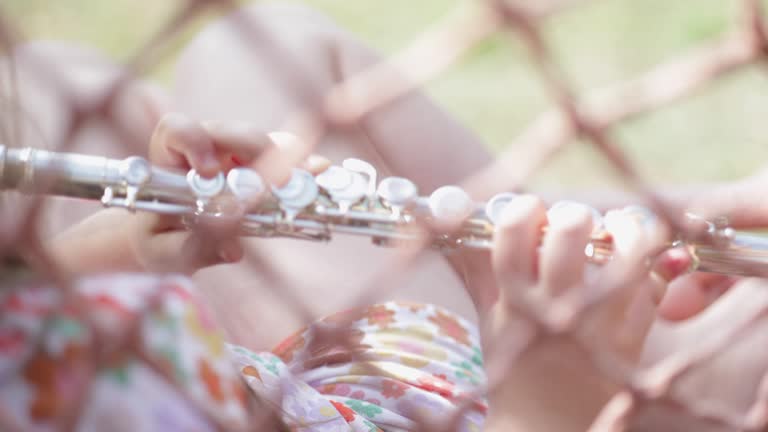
553 387
99 243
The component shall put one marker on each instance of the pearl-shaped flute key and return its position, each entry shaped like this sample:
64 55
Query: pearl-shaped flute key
362 167
346 188
494 208
397 193
136 172
300 191
334 178
203 188
450 206
245 184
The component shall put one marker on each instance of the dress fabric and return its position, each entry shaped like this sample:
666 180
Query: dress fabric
143 353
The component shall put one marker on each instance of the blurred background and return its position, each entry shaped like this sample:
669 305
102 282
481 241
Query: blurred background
720 133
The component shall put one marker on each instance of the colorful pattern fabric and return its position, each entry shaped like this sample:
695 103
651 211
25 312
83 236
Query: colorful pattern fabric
162 363
164 366
381 368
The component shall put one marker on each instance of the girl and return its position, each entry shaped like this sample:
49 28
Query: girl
399 363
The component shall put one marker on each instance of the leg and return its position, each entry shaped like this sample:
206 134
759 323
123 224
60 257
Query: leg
37 112
220 75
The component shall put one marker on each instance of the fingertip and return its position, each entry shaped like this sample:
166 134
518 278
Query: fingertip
231 251
568 216
687 296
285 141
206 163
179 135
517 237
681 302
635 230
673 263
316 164
519 209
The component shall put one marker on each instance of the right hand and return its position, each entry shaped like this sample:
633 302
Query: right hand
552 384
743 204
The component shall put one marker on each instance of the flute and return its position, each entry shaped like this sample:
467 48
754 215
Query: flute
343 199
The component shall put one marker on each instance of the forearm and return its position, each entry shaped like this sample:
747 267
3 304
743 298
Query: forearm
99 243
552 387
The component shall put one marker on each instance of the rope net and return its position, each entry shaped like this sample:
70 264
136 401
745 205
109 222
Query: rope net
586 119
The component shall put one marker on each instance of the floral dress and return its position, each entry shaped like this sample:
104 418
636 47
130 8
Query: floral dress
142 353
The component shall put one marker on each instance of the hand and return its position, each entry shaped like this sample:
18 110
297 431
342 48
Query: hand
709 385
742 203
553 385
699 309
114 240
161 242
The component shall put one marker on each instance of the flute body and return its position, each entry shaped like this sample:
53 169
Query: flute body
344 199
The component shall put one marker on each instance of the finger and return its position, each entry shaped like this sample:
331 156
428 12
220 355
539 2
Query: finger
667 267
689 295
288 151
562 253
180 142
237 143
637 236
241 143
216 238
185 252
206 241
316 164
516 240
673 263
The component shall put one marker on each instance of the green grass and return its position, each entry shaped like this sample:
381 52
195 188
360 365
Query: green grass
720 133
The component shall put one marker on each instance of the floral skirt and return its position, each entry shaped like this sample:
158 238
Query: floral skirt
142 353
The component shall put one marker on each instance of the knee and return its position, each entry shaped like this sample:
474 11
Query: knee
55 77
293 24
257 56
263 30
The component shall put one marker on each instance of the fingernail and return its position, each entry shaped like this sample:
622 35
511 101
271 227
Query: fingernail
643 215
316 163
209 164
284 140
564 213
625 230
516 209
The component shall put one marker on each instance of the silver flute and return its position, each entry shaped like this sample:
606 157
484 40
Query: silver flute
343 199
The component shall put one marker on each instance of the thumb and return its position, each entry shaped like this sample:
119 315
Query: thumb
207 240
691 294
684 294
187 252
